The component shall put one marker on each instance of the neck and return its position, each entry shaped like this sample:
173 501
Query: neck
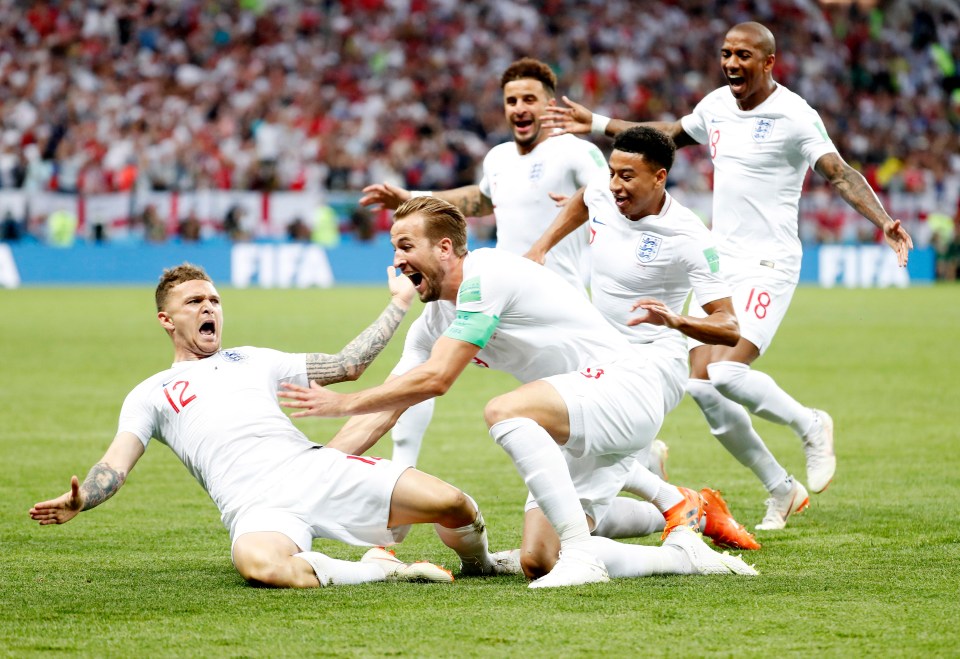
750 103
653 209
452 281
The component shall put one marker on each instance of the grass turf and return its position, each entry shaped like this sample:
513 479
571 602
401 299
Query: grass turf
870 569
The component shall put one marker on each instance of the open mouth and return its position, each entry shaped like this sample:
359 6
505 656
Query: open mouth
523 124
208 328
416 278
736 81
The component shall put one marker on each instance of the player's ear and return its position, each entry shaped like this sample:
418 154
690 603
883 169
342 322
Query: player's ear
166 322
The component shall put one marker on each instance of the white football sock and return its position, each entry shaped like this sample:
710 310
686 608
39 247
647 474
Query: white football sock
623 560
408 433
629 518
544 470
647 485
334 572
759 393
470 541
730 424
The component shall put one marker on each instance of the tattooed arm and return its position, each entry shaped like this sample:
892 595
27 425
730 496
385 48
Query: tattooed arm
850 184
103 481
468 199
349 363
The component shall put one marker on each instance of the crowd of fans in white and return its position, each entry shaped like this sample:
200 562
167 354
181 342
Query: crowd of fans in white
114 95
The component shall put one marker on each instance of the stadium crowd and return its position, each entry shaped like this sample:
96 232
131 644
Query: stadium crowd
113 95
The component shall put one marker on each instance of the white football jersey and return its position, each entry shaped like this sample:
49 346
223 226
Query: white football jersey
519 187
760 159
220 416
660 256
526 319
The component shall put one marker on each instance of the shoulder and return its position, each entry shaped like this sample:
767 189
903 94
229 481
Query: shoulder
791 104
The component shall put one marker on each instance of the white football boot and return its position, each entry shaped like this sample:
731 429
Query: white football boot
704 560
818 447
575 567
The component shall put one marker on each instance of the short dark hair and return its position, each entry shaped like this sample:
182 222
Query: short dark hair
440 220
529 67
652 144
175 276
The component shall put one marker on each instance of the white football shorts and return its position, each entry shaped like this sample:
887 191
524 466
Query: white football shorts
326 494
615 411
761 297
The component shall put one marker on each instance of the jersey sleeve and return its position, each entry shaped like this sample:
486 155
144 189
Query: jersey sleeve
695 123
484 182
588 164
416 346
811 137
285 366
138 416
702 261
480 303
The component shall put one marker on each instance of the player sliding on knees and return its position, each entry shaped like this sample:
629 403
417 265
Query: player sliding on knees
276 490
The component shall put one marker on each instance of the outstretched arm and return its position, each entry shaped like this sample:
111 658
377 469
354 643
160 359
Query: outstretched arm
432 378
850 184
468 199
352 361
103 481
573 214
576 118
719 327
361 432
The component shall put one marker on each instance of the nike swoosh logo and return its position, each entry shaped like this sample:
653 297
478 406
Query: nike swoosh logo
596 221
716 121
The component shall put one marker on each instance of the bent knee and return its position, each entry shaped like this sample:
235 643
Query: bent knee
501 408
455 509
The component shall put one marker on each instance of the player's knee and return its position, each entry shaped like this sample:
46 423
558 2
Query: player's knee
502 408
258 569
456 509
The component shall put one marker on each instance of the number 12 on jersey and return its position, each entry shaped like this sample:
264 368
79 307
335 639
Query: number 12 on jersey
181 397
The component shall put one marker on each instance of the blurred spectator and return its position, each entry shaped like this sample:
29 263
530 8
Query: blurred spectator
190 228
361 224
11 230
61 228
326 226
235 224
298 231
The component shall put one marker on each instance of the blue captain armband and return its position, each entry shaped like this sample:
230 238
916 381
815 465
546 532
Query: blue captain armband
472 327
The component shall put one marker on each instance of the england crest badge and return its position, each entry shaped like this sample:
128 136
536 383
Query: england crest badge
648 247
762 128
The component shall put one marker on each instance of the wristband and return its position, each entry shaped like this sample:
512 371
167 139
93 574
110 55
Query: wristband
598 125
420 193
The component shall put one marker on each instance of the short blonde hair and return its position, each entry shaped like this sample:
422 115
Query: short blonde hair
440 220
175 276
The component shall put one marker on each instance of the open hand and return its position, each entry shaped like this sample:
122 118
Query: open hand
60 510
383 195
558 120
314 400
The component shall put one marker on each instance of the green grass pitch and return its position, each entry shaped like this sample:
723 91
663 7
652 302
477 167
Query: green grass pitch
871 569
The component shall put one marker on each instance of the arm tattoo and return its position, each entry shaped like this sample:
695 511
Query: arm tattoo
100 484
471 202
353 360
850 184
